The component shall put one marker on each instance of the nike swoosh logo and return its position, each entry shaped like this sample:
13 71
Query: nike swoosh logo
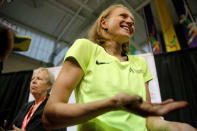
100 63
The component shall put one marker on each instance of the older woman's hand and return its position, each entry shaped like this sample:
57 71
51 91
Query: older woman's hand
4 125
15 128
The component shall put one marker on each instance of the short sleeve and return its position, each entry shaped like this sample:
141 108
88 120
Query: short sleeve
81 51
147 73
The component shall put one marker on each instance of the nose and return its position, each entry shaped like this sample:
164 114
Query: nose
130 22
33 80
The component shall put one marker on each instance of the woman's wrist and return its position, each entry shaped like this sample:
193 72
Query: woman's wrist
115 103
156 123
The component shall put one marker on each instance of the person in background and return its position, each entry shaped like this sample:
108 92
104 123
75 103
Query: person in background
111 87
6 45
29 117
1 2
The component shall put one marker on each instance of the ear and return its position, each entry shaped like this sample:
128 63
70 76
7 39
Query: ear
48 87
104 24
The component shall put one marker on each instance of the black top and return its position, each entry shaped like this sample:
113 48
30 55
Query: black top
1 67
35 123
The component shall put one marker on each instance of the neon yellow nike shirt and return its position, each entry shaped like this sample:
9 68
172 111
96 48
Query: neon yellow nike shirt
105 76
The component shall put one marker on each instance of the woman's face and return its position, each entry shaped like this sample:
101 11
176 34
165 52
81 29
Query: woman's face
39 84
120 24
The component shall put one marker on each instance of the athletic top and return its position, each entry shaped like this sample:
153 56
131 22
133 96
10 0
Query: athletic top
104 77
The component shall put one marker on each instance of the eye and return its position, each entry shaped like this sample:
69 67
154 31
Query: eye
124 15
32 78
39 78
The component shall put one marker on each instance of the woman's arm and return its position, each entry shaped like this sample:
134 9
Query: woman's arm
58 113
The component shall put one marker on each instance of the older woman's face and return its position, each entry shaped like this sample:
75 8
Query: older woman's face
120 24
39 84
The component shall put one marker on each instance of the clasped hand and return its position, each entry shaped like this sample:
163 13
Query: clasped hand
136 105
14 128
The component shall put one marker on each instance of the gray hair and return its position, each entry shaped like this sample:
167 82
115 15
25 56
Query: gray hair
50 77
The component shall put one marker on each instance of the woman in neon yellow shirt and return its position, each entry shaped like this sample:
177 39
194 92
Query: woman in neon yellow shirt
111 87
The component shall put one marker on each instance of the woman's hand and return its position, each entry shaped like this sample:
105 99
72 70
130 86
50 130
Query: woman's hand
4 125
136 105
15 128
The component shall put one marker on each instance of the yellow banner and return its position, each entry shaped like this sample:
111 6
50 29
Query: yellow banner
22 43
170 37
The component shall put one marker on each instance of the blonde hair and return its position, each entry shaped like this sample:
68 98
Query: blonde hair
99 35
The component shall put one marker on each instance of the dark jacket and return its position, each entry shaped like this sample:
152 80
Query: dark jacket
35 123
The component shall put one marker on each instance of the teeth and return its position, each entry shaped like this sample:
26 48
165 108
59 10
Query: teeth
126 28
